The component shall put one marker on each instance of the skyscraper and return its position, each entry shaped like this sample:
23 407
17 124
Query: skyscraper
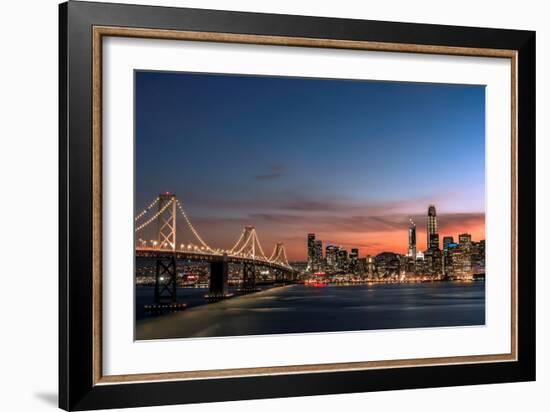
331 255
412 239
446 241
464 238
318 257
342 258
354 259
432 241
310 250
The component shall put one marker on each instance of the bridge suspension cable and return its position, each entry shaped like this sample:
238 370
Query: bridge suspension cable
152 218
245 244
232 250
248 244
193 230
275 252
279 255
144 211
259 244
285 259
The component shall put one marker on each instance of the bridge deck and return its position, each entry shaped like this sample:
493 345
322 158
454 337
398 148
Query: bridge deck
196 256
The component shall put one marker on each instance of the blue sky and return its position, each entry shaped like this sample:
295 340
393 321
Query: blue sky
294 155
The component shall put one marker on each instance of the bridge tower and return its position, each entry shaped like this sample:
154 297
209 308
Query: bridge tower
166 221
165 276
249 277
219 272
165 280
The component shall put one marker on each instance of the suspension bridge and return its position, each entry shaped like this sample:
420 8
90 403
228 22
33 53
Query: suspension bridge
167 213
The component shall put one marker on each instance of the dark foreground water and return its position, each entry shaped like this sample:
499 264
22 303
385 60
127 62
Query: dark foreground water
300 309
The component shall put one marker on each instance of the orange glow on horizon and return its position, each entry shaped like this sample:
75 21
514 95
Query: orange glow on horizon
373 243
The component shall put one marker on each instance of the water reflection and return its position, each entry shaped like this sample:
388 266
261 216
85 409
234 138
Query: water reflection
300 309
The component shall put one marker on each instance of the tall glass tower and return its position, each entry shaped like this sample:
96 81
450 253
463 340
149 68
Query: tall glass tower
310 250
432 240
412 239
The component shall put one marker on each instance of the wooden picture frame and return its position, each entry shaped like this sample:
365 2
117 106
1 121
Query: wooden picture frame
82 384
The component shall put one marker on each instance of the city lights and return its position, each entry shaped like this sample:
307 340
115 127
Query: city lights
248 245
464 261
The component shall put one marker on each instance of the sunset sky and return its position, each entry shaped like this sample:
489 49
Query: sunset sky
348 160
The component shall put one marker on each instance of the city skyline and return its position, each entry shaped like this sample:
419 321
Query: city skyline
314 244
290 156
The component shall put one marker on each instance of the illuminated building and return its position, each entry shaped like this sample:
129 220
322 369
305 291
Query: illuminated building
342 259
466 259
420 264
353 260
318 255
412 239
434 241
464 238
310 250
432 238
387 264
448 248
433 262
370 267
461 262
446 241
478 257
331 256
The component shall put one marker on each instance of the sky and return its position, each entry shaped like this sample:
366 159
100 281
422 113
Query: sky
348 160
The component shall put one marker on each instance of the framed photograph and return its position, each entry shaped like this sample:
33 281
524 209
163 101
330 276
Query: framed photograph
257 205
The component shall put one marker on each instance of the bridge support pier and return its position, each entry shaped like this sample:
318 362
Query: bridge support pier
249 277
219 271
280 276
165 281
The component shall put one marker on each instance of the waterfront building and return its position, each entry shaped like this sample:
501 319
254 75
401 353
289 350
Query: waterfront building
353 259
433 262
434 241
387 264
370 267
446 241
432 237
298 266
342 259
447 257
362 266
465 260
461 259
331 255
464 238
318 255
409 264
310 250
412 239
478 257
420 264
